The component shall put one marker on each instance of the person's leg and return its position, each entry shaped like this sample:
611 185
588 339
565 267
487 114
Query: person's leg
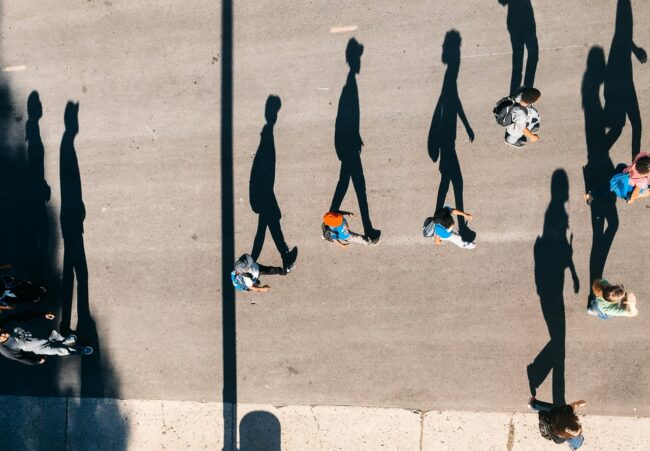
258 242
359 239
458 241
540 406
271 270
341 187
41 346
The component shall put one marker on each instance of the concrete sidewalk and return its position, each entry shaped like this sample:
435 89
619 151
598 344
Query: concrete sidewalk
80 424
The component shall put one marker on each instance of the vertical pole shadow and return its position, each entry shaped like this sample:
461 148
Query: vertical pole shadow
620 95
599 168
442 133
228 312
523 34
553 255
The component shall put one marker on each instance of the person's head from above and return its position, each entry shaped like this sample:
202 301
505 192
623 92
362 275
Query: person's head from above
443 217
71 117
273 105
451 47
243 265
643 165
333 219
614 293
353 53
4 335
566 422
34 107
529 96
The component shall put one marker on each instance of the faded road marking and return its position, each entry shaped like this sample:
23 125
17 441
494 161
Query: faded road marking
14 68
482 55
344 29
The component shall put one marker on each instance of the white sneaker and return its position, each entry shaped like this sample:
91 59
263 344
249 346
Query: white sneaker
468 245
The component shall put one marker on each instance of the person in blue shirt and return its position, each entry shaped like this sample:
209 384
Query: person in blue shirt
246 274
335 229
444 227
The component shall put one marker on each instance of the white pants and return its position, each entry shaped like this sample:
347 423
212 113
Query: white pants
458 241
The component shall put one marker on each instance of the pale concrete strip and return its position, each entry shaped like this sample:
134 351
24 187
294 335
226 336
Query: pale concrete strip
116 425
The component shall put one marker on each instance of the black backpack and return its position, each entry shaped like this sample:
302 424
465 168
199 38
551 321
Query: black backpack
429 228
545 428
503 111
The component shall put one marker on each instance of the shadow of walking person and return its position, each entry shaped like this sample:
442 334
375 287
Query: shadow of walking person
523 34
553 255
348 142
261 189
599 168
260 431
620 95
73 213
39 191
442 133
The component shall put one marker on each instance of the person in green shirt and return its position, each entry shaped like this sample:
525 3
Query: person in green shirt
611 300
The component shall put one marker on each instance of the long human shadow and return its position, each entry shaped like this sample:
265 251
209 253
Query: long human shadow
553 254
261 185
620 94
599 168
523 35
228 308
348 142
260 431
442 133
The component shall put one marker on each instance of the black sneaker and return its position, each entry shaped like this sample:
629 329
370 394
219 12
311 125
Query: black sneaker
289 259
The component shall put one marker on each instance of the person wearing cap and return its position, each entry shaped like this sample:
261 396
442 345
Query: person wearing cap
335 229
246 273
525 119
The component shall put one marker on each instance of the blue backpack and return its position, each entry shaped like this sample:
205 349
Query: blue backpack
619 184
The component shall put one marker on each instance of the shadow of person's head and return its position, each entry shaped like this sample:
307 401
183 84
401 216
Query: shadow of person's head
353 53
596 64
260 431
34 107
71 117
559 186
273 105
451 47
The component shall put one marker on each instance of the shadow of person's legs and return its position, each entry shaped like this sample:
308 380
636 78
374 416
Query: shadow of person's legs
532 58
260 235
359 182
341 187
517 61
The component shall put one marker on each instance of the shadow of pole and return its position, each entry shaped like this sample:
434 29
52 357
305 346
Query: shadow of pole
228 312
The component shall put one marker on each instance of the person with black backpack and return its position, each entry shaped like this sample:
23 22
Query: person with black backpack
519 116
559 423
441 227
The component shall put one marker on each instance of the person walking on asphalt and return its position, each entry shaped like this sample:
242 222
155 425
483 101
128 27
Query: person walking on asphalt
441 227
559 423
246 274
21 346
611 300
348 142
525 119
335 229
261 190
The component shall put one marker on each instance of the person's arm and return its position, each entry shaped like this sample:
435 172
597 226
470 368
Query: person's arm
575 404
438 240
22 317
341 244
259 288
463 118
629 304
635 195
467 216
5 266
346 213
532 137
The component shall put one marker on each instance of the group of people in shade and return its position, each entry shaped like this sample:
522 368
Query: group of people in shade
517 113
19 298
